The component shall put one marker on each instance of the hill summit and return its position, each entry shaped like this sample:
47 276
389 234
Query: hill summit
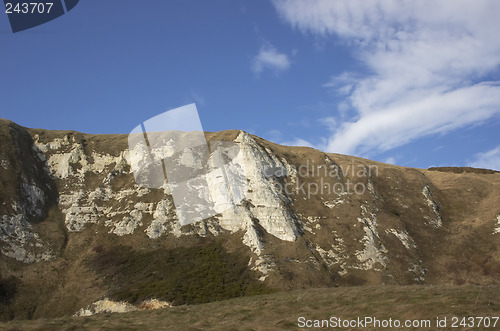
76 227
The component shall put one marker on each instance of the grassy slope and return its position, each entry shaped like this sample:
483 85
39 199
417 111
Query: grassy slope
281 310
188 275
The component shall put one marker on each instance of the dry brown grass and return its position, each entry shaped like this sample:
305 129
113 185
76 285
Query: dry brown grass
282 310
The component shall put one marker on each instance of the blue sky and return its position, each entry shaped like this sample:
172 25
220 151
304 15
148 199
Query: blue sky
415 83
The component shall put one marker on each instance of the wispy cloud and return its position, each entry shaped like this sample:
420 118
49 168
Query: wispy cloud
487 160
297 142
269 58
428 65
198 98
390 160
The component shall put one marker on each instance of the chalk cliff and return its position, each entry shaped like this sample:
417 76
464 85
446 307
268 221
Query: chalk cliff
75 226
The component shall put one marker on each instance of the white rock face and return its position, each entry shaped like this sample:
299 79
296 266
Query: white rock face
252 239
436 221
374 251
109 306
403 236
53 145
160 219
62 164
77 217
153 304
34 199
4 164
337 255
333 203
262 265
255 195
80 206
127 225
497 229
418 270
268 203
17 233
331 257
74 163
19 239
106 306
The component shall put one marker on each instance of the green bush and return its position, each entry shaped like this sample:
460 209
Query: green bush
186 275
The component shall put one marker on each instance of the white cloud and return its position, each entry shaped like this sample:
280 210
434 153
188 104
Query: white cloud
487 160
427 63
390 160
269 58
273 135
297 142
198 98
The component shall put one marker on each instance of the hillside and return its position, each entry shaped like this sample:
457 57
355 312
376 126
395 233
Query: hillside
75 226
282 311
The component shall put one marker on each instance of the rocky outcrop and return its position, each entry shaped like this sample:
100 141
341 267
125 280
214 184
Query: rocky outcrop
497 229
109 306
28 192
126 210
